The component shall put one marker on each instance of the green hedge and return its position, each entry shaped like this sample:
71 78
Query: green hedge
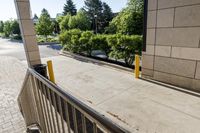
99 42
116 46
124 47
70 40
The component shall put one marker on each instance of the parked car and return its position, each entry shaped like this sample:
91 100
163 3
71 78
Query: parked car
99 54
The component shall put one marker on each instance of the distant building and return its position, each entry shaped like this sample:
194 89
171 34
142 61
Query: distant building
115 14
35 19
59 15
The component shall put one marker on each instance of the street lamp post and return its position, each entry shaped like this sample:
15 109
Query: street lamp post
96 24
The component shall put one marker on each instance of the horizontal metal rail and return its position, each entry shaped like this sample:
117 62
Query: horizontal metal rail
60 112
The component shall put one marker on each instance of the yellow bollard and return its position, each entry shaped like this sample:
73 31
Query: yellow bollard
137 66
51 73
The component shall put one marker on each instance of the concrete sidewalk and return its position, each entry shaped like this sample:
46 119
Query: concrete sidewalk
12 73
141 106
137 105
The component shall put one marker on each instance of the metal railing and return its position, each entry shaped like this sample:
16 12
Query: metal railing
56 111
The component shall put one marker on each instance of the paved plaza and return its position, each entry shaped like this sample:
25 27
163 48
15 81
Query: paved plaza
12 73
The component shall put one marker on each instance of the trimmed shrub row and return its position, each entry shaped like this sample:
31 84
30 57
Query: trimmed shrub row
115 46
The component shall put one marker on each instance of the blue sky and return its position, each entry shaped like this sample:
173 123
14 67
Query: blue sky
7 8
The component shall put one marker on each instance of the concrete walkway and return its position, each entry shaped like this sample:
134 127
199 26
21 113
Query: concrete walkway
12 74
141 106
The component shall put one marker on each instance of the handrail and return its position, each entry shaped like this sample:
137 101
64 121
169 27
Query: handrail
24 82
78 105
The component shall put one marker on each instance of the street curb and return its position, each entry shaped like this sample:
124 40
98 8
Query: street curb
39 43
106 64
48 43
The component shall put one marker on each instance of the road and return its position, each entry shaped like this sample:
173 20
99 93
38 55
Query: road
16 49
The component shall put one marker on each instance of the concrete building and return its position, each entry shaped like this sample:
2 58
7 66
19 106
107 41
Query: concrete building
173 43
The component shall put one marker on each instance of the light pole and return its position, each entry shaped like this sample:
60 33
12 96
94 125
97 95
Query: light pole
96 26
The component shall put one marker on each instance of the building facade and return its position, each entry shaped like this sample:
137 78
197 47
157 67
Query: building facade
173 43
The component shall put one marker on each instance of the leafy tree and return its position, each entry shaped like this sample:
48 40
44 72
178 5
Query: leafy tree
94 11
15 27
7 29
56 27
93 7
45 26
84 21
111 29
64 22
72 24
1 26
130 20
136 5
100 14
56 23
70 8
107 15
59 19
80 21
